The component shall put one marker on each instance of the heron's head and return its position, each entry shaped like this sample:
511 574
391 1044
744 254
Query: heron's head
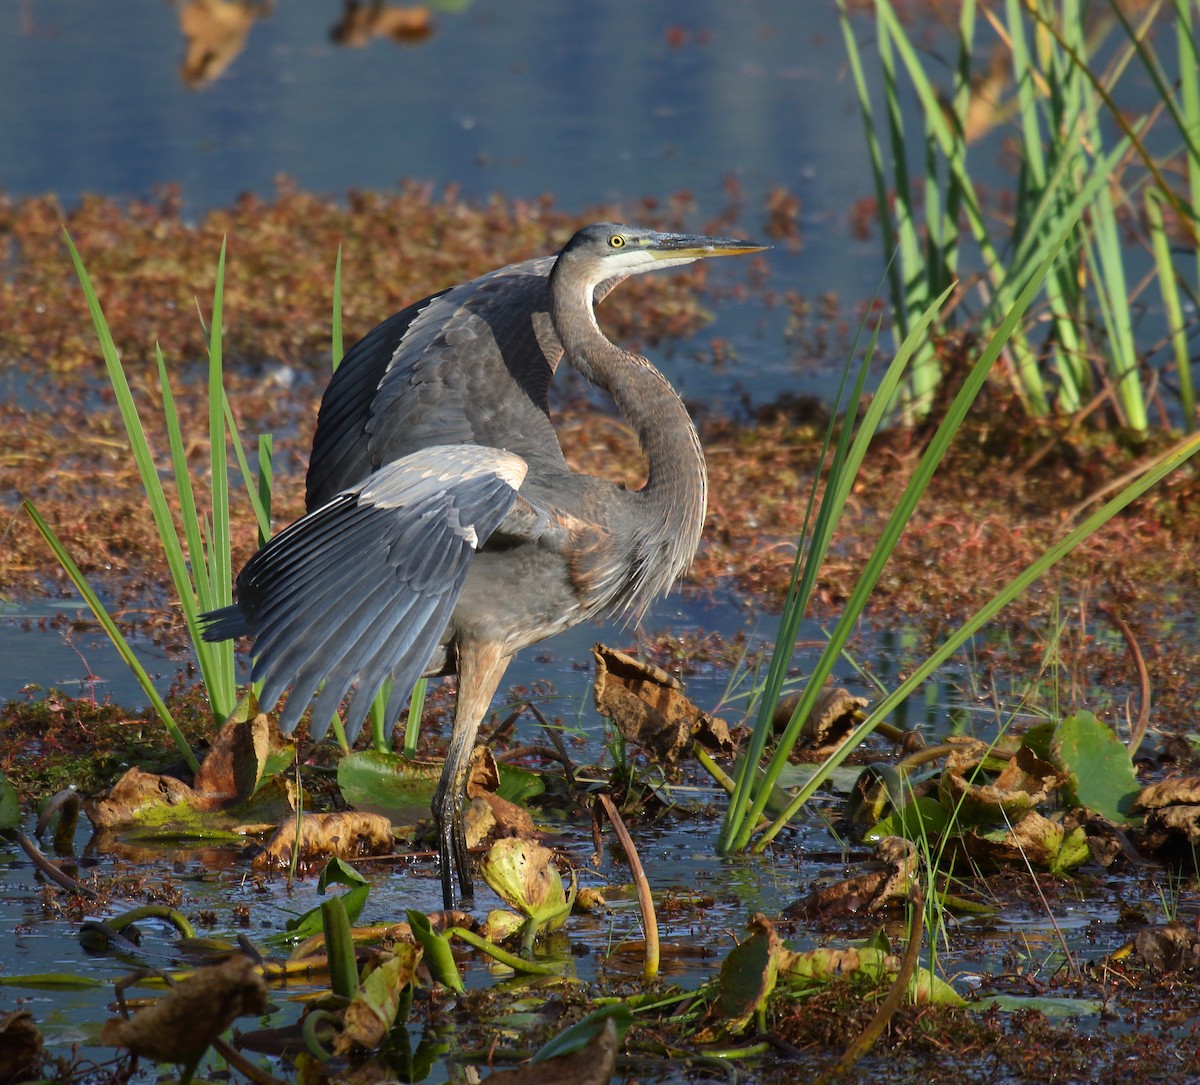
608 250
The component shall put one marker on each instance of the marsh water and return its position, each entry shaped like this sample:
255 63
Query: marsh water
598 104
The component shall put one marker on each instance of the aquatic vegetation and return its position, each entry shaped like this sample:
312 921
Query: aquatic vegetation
1053 76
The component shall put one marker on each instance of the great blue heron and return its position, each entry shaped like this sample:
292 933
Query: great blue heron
446 531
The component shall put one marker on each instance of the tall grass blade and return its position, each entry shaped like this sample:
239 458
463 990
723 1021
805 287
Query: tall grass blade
266 463
1150 478
860 596
750 793
219 684
194 591
412 726
335 337
114 634
1173 308
254 492
220 555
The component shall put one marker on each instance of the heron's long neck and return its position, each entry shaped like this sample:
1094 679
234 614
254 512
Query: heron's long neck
672 503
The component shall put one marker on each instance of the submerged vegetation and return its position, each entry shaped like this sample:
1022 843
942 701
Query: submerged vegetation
1029 442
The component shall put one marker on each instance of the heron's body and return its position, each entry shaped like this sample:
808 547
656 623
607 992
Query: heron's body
445 530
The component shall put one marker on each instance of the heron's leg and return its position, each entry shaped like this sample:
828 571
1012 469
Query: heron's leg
480 668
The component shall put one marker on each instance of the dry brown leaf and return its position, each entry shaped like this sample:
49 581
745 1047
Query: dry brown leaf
836 713
233 765
1176 821
1032 838
348 834
649 708
488 815
20 1047
483 774
181 1025
867 893
1024 782
119 806
1177 790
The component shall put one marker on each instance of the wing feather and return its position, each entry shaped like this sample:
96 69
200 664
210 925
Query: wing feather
363 587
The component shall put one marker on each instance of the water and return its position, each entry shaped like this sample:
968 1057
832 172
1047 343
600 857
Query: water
589 102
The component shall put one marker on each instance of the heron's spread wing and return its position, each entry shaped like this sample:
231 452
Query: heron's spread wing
471 365
362 588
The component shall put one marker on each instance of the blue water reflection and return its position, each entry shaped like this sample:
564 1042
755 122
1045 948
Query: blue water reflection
589 101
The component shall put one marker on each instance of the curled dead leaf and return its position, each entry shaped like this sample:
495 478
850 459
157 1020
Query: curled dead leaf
1175 791
649 708
1024 782
181 1025
866 893
234 763
20 1047
128 800
836 713
1182 823
374 1008
522 873
590 900
347 834
1032 838
489 815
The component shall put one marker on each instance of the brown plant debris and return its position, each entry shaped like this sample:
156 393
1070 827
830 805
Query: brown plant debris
489 815
592 1064
1172 947
1173 791
346 834
234 764
181 1025
836 713
868 893
650 709
20 1047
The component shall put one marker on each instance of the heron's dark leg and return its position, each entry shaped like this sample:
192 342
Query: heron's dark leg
480 668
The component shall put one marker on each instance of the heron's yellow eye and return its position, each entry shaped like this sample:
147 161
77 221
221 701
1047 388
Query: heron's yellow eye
616 241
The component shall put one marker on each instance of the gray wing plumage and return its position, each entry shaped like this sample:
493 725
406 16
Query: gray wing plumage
471 365
363 587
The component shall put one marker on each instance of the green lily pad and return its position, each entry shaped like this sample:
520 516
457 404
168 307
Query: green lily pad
1101 772
918 820
1051 1007
519 785
381 782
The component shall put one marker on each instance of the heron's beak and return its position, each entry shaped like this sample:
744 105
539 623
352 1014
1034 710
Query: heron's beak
698 247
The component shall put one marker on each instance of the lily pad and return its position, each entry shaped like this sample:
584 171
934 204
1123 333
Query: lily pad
747 977
522 873
1100 770
920 819
1051 1007
385 783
